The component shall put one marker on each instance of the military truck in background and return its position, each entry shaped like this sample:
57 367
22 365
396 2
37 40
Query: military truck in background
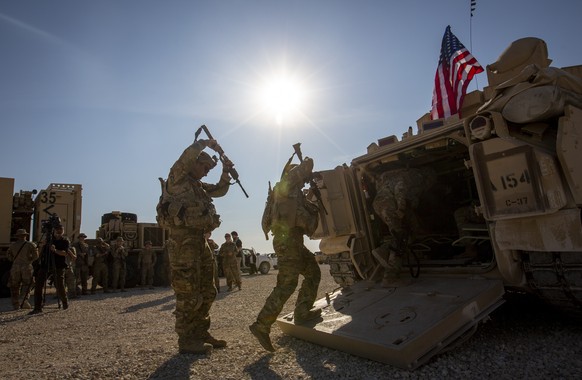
135 234
27 209
513 160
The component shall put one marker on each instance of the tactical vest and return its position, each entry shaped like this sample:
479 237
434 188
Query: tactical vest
192 208
290 209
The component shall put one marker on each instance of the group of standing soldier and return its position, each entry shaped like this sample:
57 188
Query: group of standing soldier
70 266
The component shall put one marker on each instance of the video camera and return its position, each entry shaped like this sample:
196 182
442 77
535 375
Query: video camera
47 226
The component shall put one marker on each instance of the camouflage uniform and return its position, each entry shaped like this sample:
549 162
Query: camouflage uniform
397 199
230 264
119 254
146 262
100 269
82 264
293 217
213 247
21 253
168 246
186 208
70 277
239 254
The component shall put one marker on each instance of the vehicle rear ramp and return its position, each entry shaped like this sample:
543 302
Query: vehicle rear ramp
403 326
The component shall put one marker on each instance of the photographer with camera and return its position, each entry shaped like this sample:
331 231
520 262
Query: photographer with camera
52 260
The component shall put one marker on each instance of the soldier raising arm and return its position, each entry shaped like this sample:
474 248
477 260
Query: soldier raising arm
292 217
186 208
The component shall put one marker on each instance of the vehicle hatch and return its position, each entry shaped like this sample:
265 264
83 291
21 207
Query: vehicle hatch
403 326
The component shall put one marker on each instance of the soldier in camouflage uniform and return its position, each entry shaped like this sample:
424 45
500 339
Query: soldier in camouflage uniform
186 208
100 269
292 217
146 263
119 254
169 245
230 263
70 278
21 253
82 263
396 202
213 247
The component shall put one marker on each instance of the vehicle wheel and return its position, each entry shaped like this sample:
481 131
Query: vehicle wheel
264 268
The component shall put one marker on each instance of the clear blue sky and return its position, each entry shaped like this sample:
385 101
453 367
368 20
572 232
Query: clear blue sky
108 94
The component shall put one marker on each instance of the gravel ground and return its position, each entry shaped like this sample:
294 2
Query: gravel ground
130 336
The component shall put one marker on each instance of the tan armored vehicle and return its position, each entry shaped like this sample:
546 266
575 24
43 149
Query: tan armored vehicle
503 214
124 224
29 210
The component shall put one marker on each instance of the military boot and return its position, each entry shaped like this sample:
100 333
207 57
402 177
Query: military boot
262 335
392 272
301 318
216 343
193 346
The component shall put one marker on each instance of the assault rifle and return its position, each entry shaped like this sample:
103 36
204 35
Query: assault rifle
231 170
312 184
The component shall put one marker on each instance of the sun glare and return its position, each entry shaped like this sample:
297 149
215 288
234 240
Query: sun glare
283 98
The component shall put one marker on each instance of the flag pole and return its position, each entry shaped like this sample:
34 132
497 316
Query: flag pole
473 5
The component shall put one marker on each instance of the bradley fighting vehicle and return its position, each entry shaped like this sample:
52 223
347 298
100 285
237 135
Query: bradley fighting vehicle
513 162
28 210
134 234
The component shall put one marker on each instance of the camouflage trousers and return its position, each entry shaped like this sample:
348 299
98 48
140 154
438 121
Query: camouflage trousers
231 271
82 274
147 274
71 281
294 259
100 275
216 278
20 277
401 224
192 266
118 274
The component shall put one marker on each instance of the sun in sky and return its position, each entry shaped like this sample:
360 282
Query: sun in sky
282 96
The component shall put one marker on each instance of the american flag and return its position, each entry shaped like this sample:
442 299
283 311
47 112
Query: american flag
456 68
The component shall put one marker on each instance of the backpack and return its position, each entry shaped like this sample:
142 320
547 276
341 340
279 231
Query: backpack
267 220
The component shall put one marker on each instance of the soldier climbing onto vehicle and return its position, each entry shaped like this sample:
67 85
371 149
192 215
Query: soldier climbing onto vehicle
292 216
398 194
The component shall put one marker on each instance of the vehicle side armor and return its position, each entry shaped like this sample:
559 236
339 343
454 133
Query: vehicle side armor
513 160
